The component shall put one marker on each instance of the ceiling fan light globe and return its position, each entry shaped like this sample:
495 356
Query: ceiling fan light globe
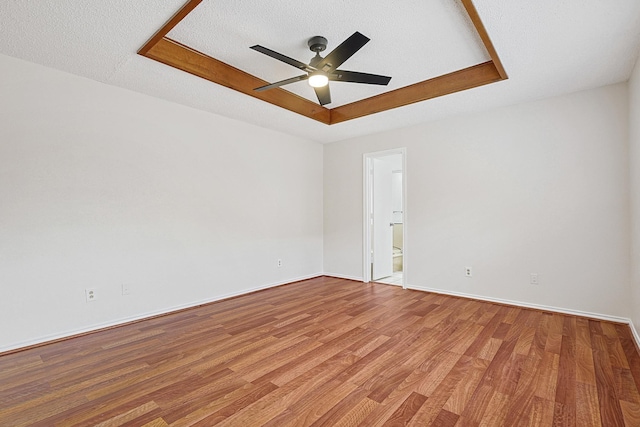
318 80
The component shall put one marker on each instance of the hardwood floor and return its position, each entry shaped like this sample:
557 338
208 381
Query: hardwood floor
332 352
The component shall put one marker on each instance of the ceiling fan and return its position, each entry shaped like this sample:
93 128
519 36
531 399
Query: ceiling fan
320 70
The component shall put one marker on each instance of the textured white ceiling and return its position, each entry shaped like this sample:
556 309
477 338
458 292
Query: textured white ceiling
548 47
437 37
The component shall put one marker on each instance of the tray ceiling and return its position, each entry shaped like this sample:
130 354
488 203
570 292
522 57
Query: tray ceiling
428 39
410 88
548 47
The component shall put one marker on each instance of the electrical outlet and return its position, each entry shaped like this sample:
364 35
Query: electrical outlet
468 272
534 279
91 294
126 289
279 263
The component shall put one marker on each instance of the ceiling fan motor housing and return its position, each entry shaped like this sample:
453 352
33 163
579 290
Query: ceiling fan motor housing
317 44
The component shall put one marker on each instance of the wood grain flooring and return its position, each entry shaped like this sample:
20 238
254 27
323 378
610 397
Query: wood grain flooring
332 352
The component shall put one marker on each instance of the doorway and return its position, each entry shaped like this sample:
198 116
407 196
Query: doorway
385 219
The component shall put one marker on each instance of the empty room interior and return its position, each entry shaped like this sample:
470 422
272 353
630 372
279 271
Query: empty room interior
346 214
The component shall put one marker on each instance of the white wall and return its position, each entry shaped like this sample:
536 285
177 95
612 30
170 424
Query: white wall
101 186
539 188
634 160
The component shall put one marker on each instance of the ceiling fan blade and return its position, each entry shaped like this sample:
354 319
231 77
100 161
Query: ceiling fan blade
283 58
343 52
356 77
282 83
323 94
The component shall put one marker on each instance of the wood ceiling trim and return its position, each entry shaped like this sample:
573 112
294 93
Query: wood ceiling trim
457 81
162 49
482 32
175 20
184 58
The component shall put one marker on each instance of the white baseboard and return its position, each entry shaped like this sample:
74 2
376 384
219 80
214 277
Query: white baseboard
142 316
71 333
617 319
342 276
636 336
527 305
561 310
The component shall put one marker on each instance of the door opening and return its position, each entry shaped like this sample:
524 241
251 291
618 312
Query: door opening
385 217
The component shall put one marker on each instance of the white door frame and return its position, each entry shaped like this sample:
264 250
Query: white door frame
382 215
367 204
